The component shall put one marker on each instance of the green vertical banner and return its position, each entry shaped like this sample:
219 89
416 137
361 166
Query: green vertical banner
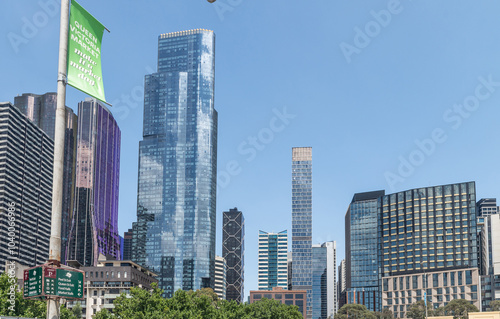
84 52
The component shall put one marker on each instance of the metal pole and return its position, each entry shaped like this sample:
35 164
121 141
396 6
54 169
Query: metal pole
57 181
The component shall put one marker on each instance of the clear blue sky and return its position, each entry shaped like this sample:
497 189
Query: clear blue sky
361 101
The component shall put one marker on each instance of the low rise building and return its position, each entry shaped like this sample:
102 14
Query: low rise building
287 297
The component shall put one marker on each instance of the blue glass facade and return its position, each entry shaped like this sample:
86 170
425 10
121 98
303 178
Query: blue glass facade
177 163
302 222
319 283
273 264
361 250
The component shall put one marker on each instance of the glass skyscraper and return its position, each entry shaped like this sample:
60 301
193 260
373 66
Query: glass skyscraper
178 163
95 222
362 279
302 222
324 292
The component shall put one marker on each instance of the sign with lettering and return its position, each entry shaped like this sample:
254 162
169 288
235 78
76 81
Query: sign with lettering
45 281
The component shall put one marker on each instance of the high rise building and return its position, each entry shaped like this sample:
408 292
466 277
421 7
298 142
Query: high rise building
324 293
94 228
127 245
233 251
178 163
302 222
220 277
490 244
428 246
26 165
273 263
486 207
361 222
341 285
41 110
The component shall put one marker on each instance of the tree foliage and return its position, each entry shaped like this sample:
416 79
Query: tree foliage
354 311
200 304
20 307
495 305
459 308
417 310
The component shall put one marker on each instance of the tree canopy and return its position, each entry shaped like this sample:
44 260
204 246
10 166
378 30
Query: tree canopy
200 304
21 307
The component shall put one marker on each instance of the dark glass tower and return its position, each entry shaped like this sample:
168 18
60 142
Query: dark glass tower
361 221
41 110
95 224
178 164
302 222
233 251
26 165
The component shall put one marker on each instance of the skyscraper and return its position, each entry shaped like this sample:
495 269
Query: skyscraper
233 251
324 293
41 110
428 244
26 165
361 222
273 261
341 284
302 222
178 163
94 228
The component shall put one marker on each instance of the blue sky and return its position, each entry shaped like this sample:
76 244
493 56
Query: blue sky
390 95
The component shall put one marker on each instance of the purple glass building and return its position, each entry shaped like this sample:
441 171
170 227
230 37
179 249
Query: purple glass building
94 229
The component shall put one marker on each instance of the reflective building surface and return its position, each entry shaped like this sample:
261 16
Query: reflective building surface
361 221
26 165
233 251
94 228
324 292
273 260
177 164
302 222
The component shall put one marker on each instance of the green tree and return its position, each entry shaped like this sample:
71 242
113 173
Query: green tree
66 313
495 305
385 314
417 310
459 308
21 307
354 311
270 309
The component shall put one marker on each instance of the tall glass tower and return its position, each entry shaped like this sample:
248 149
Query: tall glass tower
302 222
178 164
95 221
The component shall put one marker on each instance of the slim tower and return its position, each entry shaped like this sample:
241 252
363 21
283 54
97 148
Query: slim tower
94 228
273 262
178 164
233 251
302 222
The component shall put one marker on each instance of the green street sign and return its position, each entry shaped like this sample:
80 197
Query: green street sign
46 281
69 284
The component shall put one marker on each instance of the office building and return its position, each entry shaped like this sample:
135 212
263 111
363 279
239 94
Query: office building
341 285
177 164
105 281
289 262
94 229
428 243
302 222
26 165
490 279
324 294
273 263
220 277
41 110
361 261
233 251
287 297
127 245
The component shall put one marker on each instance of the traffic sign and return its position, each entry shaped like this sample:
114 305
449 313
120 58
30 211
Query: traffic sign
46 281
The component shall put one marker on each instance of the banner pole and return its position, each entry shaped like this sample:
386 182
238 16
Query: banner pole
57 179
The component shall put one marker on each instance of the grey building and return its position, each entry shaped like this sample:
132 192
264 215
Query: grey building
41 110
26 165
176 215
105 281
324 292
220 277
233 251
